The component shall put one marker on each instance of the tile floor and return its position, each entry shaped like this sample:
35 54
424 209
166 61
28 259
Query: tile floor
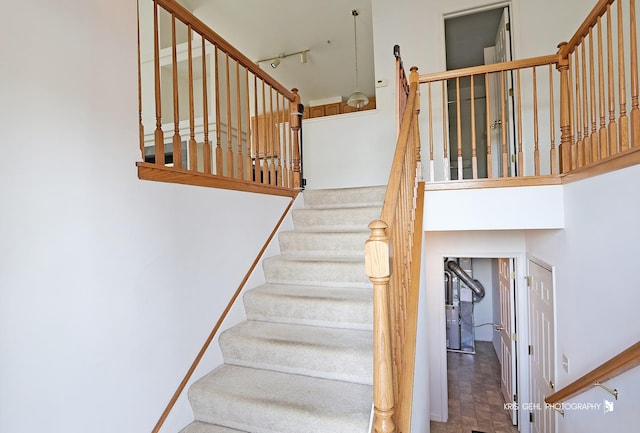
475 399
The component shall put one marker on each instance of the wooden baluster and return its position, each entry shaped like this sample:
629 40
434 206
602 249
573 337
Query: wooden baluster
290 142
177 141
553 157
255 135
536 147
276 142
595 145
193 145
577 154
602 132
219 161
282 144
459 130
295 129
612 127
623 119
635 112
284 131
585 108
240 174
566 137
520 168
140 124
206 146
272 171
158 133
445 134
503 128
432 174
230 159
264 136
474 153
488 126
249 166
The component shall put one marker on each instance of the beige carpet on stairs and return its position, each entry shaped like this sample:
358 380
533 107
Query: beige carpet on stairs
302 362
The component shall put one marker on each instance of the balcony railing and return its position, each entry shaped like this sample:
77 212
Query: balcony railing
208 114
553 115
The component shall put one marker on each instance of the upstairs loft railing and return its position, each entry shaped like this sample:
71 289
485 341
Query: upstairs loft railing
551 118
392 261
209 115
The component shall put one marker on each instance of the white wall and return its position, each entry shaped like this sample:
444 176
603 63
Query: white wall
108 284
483 310
494 208
596 264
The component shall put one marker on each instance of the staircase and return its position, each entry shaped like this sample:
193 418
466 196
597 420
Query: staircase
303 361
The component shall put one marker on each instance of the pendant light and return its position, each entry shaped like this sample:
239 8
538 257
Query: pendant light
357 98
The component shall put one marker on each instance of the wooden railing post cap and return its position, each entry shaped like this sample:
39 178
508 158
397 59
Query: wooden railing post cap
378 230
414 77
376 252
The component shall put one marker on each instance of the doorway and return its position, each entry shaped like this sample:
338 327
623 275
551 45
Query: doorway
480 304
474 39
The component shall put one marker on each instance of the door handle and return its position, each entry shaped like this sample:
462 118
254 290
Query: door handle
552 385
499 328
496 124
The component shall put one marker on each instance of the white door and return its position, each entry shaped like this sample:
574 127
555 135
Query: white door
501 93
507 335
541 346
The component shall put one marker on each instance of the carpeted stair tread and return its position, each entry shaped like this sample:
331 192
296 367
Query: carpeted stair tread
339 219
345 197
329 271
262 401
299 242
341 307
201 427
329 353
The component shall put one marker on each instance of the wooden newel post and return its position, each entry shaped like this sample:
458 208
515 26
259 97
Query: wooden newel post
566 137
295 127
378 269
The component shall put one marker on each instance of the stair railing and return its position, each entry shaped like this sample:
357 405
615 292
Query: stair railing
552 118
392 262
624 361
596 83
212 117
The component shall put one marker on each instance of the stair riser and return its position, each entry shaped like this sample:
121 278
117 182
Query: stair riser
342 244
352 197
356 219
249 401
328 274
311 358
306 309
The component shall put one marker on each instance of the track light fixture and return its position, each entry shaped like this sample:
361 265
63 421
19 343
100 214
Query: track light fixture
275 61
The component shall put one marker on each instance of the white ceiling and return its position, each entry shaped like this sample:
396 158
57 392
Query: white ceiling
263 29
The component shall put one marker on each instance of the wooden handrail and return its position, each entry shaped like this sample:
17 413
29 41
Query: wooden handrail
392 262
198 26
218 324
488 69
598 11
615 366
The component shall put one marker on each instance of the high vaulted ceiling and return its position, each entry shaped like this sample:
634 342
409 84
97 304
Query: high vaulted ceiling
264 29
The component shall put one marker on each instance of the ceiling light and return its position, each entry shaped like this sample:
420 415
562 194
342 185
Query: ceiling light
357 98
275 61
